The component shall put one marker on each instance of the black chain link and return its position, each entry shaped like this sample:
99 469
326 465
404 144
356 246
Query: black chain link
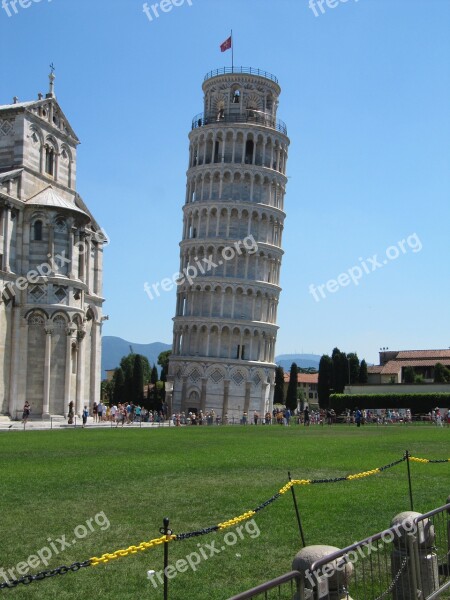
190 534
27 579
442 460
267 502
393 464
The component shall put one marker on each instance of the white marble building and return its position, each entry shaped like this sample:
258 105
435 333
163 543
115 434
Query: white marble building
51 251
225 324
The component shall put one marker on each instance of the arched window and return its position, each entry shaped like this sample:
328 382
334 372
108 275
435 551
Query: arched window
37 231
49 160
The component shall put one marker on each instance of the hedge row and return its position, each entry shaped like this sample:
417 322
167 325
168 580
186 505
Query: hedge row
418 403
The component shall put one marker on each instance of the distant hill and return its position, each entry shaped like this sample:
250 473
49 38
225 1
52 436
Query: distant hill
114 348
305 361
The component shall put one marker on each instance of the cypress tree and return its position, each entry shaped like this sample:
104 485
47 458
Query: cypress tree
325 380
291 395
363 377
278 397
119 385
138 379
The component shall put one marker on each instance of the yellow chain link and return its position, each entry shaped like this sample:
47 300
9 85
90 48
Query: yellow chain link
104 558
237 520
419 460
363 474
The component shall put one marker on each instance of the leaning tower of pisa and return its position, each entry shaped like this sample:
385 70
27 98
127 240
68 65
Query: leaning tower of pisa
227 296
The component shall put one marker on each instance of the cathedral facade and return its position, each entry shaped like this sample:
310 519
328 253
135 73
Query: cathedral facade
51 252
231 250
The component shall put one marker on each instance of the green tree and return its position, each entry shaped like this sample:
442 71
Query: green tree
163 376
353 365
408 375
163 360
441 373
278 396
106 391
138 379
291 394
127 366
363 376
154 375
325 380
301 398
340 371
119 386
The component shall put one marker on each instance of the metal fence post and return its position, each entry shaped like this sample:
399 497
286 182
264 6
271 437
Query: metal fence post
409 481
166 531
299 522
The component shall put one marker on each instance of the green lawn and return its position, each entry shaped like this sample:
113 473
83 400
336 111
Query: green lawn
52 482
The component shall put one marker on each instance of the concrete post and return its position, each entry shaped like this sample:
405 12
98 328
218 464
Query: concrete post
413 560
329 582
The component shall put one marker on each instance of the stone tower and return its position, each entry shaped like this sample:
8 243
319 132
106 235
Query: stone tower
51 251
227 298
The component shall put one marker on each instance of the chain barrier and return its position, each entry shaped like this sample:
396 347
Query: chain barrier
170 536
394 581
104 558
428 460
27 579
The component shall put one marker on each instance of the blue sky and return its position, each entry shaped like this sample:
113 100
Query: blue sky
365 92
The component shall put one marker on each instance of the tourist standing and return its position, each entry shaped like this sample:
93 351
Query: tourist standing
85 415
306 416
26 412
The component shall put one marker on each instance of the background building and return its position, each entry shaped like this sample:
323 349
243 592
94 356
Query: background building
393 364
225 322
50 265
307 383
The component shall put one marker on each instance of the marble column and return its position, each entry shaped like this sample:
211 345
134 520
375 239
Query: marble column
47 370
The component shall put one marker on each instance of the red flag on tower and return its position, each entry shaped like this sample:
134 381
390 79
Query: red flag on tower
226 45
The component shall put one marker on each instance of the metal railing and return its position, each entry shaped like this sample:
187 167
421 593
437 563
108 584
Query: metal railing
244 70
410 560
281 588
432 581
250 116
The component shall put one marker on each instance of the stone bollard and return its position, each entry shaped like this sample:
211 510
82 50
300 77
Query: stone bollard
329 581
414 564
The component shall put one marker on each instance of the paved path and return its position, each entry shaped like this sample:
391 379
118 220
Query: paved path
61 423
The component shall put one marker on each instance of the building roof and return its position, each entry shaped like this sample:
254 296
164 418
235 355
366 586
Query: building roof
395 366
304 377
375 369
33 108
422 354
10 175
18 105
49 198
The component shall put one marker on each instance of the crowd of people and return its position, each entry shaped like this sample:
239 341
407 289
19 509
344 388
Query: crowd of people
129 413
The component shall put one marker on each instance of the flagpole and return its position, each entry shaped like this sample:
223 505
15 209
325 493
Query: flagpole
232 52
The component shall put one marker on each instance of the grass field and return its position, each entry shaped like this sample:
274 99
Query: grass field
52 482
